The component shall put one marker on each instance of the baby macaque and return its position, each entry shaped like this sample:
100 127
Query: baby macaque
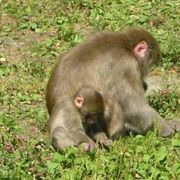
90 104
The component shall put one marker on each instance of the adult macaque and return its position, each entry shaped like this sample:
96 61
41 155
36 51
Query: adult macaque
115 64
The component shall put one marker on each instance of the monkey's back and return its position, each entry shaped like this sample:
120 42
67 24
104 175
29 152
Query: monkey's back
99 62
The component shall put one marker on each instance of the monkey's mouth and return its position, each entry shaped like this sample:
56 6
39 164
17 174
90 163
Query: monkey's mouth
90 121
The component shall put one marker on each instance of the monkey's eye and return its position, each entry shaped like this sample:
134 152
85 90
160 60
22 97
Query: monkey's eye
91 114
84 113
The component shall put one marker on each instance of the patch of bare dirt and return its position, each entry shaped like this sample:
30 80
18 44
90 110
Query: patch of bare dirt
19 47
161 82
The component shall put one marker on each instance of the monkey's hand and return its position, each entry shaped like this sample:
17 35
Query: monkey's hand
175 124
88 147
102 139
105 142
169 128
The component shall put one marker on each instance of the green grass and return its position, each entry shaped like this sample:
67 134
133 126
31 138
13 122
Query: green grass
32 36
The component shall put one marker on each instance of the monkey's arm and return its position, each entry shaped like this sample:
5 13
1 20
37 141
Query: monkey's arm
140 117
114 118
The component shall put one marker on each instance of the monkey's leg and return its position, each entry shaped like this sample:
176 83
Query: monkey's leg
62 139
114 119
140 117
66 128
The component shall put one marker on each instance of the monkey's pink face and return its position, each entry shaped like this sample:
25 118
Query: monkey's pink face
91 118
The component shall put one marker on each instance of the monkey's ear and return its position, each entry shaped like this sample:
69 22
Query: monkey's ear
141 49
79 101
